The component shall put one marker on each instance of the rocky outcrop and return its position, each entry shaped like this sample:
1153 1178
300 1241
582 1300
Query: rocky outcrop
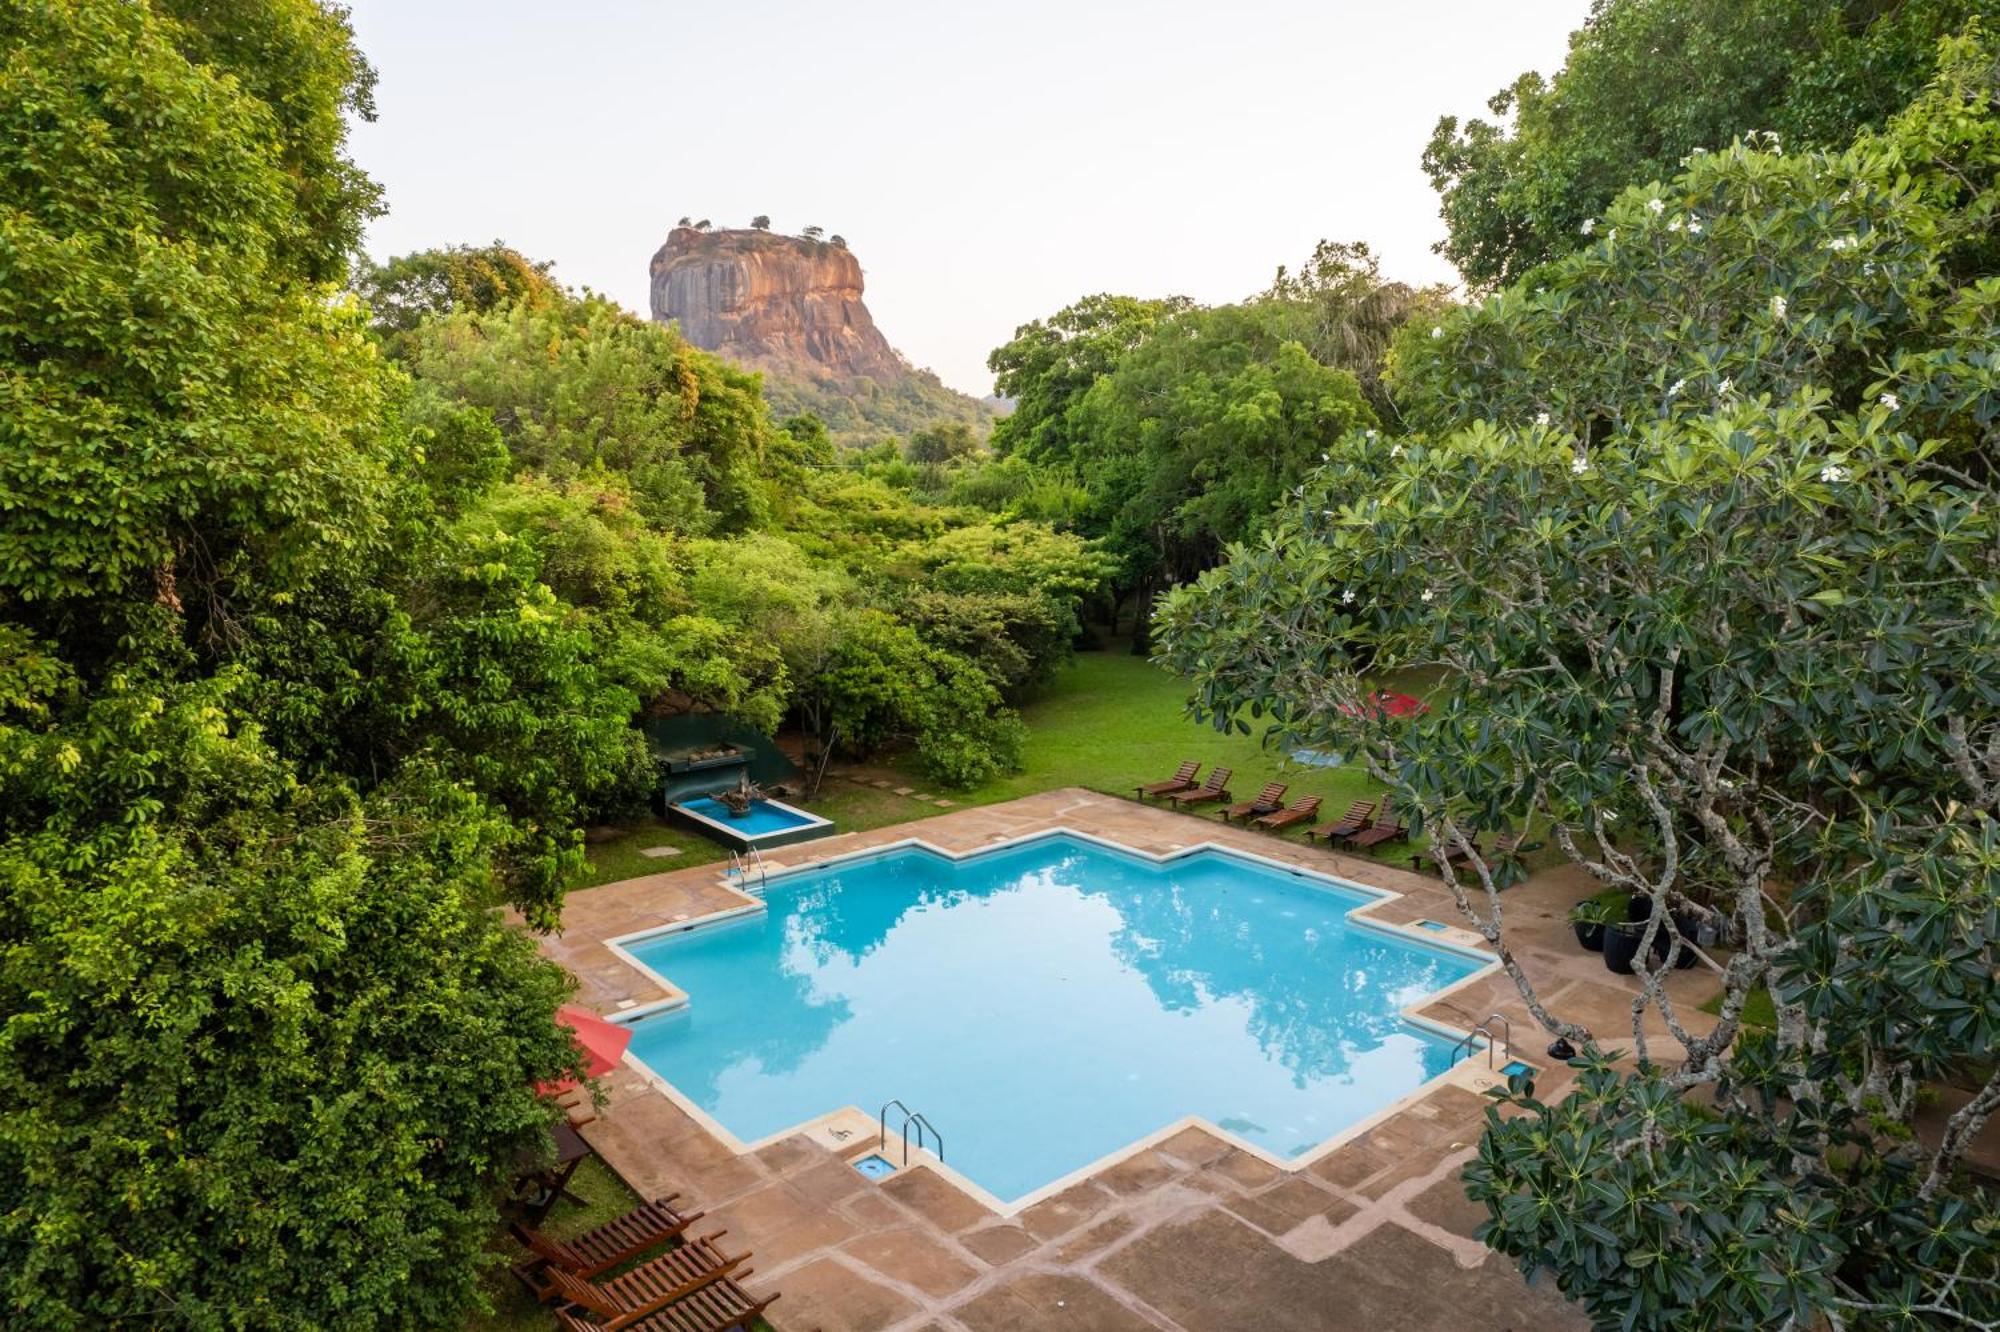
782 304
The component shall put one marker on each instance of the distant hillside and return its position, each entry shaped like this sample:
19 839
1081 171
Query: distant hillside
792 308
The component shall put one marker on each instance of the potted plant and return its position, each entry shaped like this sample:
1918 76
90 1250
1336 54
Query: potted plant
1588 918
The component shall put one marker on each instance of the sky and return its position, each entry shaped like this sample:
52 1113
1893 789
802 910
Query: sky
988 163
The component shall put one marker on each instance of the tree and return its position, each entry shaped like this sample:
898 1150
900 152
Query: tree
685 222
837 240
582 384
225 932
1191 439
941 442
813 233
1649 81
703 225
762 222
413 287
1338 307
1051 363
1729 638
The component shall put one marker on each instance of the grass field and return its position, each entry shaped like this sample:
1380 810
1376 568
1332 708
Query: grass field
1109 722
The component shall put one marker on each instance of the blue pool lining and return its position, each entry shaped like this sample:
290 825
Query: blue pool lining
679 999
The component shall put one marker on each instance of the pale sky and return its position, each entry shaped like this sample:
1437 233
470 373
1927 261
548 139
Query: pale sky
988 163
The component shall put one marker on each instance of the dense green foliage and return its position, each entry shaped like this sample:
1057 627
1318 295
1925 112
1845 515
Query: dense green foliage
475 279
1701 527
1648 82
863 412
269 745
1167 431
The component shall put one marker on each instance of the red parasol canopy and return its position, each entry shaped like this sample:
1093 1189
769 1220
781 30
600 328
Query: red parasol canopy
603 1044
1386 703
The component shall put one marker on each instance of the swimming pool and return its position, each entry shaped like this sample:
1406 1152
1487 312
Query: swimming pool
1047 1003
767 822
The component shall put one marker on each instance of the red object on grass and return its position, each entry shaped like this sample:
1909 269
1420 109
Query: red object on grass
603 1045
1386 703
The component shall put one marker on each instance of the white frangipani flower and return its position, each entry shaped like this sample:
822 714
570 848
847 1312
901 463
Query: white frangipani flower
1429 593
1347 597
1674 389
1726 387
1656 206
1589 225
1579 464
1541 418
1395 450
1437 330
1694 226
1832 473
1891 401
1674 225
1778 307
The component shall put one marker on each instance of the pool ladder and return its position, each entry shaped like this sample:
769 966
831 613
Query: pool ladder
739 869
1465 1043
909 1117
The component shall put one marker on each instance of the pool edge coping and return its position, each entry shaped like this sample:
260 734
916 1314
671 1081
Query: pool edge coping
1459 1073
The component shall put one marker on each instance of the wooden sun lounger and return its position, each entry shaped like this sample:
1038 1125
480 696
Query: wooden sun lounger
648 1289
1215 788
719 1305
1388 827
1272 797
1182 779
1358 816
1505 845
1300 810
641 1230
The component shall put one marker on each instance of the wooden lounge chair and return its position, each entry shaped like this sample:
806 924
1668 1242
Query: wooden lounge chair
1270 798
716 1306
1299 811
1215 788
1387 827
1358 816
1504 845
640 1231
1182 779
645 1290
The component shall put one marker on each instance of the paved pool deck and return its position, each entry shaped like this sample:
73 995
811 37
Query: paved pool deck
1188 1232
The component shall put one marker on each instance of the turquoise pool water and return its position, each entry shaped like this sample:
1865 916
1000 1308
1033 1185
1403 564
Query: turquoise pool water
1048 1003
764 816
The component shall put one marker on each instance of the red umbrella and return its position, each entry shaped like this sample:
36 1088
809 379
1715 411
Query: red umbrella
603 1044
1386 703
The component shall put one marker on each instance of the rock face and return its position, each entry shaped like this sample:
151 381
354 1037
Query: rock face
777 303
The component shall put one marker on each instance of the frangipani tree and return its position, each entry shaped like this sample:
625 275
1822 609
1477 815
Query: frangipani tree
1703 531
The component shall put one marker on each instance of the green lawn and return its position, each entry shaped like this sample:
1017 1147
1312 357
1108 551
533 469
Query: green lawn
513 1309
1109 722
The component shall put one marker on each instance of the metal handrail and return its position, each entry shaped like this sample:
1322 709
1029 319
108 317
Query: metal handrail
1505 1022
1465 1043
909 1117
922 1124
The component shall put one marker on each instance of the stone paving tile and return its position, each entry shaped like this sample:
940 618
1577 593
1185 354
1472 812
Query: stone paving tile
1095 1240
999 1244
1043 1302
790 1154
1213 1273
1244 1169
940 1203
778 1224
1064 1212
909 1256
1193 1146
1137 1173
1444 1204
830 1182
831 1297
871 1209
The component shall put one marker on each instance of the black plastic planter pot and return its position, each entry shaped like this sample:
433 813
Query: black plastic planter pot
1589 933
1621 945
